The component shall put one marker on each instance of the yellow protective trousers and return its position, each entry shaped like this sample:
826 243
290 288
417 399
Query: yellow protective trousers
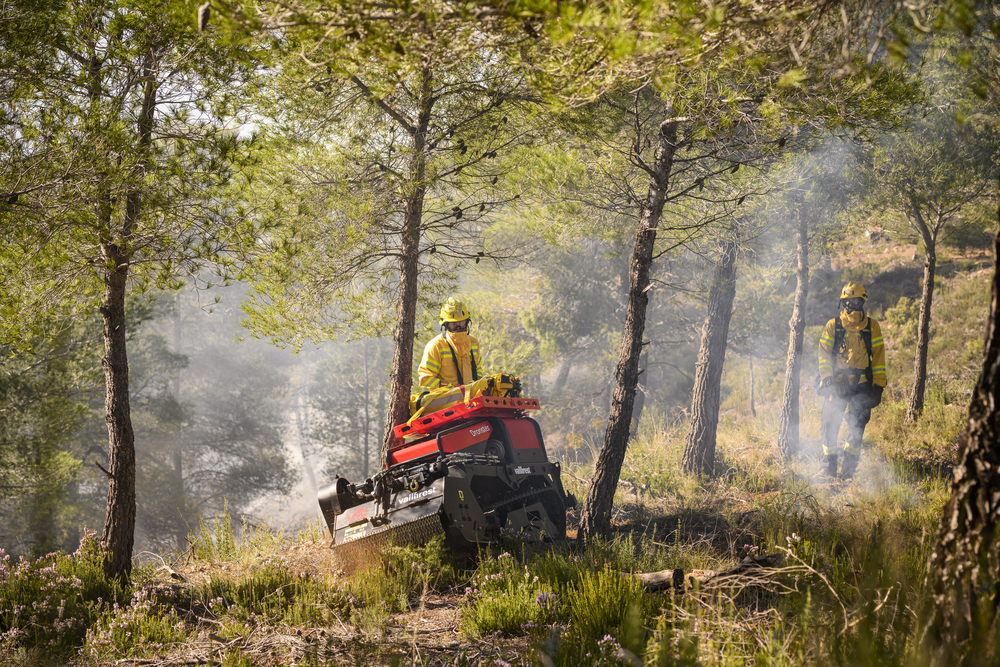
859 412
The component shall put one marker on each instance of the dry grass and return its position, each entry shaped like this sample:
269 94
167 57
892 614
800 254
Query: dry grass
427 633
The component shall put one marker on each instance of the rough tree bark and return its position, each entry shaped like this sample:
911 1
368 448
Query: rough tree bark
964 567
788 423
640 393
368 424
119 524
596 518
916 403
401 375
699 449
563 375
177 458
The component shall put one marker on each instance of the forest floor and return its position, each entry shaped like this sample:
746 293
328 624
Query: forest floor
427 633
712 527
853 555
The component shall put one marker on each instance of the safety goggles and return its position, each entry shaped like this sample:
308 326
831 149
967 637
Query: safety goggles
457 326
852 304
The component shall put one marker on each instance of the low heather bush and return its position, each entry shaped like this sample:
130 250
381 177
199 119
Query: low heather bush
506 597
50 603
603 602
148 625
272 596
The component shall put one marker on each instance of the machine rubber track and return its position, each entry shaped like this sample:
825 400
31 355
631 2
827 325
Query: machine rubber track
547 496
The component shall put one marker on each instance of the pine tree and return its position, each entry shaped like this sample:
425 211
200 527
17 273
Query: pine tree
115 153
389 175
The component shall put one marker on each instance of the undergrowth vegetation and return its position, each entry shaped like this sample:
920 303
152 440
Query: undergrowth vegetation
848 590
51 602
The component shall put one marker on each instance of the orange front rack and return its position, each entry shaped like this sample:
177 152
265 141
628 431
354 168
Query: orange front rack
481 406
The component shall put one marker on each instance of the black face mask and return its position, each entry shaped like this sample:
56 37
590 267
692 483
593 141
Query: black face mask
853 304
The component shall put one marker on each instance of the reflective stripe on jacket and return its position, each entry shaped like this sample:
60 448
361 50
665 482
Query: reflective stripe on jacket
853 354
437 367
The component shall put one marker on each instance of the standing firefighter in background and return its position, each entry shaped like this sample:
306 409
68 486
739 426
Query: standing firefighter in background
852 376
452 358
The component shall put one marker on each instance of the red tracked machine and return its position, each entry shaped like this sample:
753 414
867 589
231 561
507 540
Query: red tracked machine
474 472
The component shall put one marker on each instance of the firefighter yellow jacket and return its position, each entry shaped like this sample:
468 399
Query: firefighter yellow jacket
852 354
438 366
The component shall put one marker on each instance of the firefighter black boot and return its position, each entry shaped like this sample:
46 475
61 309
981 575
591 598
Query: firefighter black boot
831 466
850 465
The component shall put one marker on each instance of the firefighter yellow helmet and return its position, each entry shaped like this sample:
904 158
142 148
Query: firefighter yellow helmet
853 289
453 310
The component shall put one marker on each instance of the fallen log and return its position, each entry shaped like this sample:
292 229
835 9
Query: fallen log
657 581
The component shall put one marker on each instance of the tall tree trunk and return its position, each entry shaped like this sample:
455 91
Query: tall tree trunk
368 425
788 423
699 450
596 518
964 567
563 375
753 408
401 375
380 405
640 393
177 457
119 524
180 534
305 432
916 403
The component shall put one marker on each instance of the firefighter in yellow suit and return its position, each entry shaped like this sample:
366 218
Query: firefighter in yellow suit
852 377
451 358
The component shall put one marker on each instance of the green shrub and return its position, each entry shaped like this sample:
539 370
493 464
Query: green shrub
601 601
505 597
50 603
148 625
217 544
222 543
557 570
904 315
399 574
930 444
510 610
270 587
671 644
426 565
318 603
272 595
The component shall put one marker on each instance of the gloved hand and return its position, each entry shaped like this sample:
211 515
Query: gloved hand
875 395
826 386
